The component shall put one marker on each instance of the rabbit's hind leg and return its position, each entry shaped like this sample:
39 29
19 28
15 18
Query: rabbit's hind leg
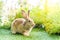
13 30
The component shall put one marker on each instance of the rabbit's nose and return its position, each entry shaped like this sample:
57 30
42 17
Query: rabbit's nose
33 24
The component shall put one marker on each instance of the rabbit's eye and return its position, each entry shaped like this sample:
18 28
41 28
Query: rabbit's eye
29 20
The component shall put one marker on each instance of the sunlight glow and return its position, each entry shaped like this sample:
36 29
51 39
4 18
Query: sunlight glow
34 2
52 2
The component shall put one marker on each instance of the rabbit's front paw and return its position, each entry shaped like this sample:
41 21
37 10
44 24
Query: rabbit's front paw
26 34
13 32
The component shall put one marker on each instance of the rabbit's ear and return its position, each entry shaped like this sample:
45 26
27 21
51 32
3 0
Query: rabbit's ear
24 14
28 13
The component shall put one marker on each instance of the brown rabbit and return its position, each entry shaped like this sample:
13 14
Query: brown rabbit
23 25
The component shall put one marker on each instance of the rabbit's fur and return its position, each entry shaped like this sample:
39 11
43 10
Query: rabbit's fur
23 25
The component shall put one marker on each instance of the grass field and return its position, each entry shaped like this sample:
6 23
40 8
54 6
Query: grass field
36 34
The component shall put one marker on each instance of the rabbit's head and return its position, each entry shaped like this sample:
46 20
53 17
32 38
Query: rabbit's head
29 22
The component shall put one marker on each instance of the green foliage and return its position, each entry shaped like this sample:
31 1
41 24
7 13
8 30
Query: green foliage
35 15
52 23
0 20
18 14
1 5
38 15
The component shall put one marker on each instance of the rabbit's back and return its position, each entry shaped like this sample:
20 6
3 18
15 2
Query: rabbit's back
18 24
19 21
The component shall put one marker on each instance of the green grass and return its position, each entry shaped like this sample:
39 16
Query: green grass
36 34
